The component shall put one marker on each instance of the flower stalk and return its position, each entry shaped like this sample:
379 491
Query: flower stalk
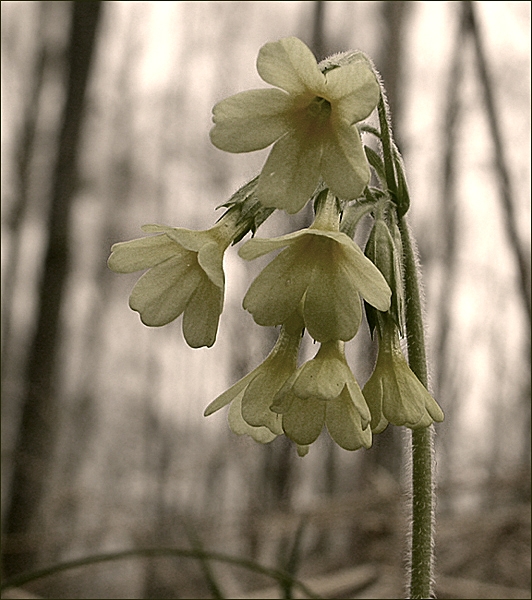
422 532
422 543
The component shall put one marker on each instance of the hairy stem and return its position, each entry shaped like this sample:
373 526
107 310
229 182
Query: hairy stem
421 558
421 551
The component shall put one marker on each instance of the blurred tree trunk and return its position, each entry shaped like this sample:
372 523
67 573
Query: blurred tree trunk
35 440
445 381
507 199
390 62
506 192
318 36
24 153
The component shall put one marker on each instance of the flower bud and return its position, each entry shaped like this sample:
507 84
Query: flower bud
384 250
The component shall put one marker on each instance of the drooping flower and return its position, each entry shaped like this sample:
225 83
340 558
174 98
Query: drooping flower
321 392
185 276
311 118
252 396
320 268
393 392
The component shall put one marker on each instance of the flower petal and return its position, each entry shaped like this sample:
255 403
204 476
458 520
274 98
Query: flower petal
403 394
304 421
202 314
373 394
291 173
354 391
188 238
332 308
344 166
369 280
320 378
284 397
337 236
237 424
277 291
210 259
229 395
250 120
344 426
414 397
434 410
259 246
152 228
355 89
162 293
258 398
290 65
143 253
302 450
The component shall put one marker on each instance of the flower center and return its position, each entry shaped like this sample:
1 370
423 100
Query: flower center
319 109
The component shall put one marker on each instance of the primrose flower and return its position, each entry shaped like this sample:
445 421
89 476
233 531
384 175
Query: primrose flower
185 276
322 392
252 396
311 119
322 270
393 392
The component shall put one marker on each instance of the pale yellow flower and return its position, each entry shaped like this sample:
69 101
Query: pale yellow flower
393 393
321 272
322 392
185 276
251 397
311 120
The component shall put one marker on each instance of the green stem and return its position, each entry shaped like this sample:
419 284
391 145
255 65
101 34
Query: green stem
417 358
421 553
327 212
421 558
279 575
387 145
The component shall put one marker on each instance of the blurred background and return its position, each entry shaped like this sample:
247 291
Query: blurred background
106 109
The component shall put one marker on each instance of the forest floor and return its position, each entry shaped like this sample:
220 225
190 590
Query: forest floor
353 547
481 552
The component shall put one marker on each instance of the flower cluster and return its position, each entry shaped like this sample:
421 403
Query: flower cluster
319 280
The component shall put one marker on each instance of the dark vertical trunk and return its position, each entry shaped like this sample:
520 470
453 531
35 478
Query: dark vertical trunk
318 36
35 439
390 64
